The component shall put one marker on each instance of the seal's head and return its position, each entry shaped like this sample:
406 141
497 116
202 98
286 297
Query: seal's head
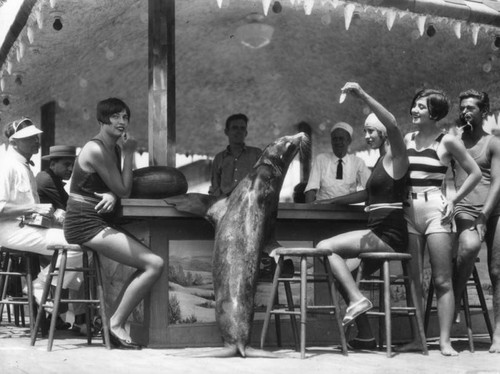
279 154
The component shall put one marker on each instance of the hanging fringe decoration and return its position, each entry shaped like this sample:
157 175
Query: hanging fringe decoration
30 33
39 17
421 24
457 29
265 5
348 12
8 66
390 18
475 33
308 7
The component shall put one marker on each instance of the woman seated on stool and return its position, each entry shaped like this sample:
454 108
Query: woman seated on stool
98 181
384 196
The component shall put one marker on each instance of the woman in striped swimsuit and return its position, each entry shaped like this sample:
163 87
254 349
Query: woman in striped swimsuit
384 194
429 212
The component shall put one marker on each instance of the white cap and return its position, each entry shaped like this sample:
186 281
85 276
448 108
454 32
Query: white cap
373 121
343 126
26 132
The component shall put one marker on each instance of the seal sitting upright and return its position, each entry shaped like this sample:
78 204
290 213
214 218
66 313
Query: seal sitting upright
244 225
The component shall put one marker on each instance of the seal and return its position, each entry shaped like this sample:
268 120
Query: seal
244 225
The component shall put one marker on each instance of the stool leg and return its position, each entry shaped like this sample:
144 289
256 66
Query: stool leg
29 286
482 301
293 320
86 285
102 303
387 307
5 286
303 305
335 302
428 305
417 304
57 298
41 312
270 303
468 321
277 322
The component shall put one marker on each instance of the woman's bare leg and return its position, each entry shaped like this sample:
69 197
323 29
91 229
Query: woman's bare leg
128 251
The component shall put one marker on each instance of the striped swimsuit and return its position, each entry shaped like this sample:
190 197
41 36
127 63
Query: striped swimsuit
425 198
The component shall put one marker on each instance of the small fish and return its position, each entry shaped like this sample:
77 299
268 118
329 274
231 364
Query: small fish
342 97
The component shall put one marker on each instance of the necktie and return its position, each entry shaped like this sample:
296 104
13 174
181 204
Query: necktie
339 169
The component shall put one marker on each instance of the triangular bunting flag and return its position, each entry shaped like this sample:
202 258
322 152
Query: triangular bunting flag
308 7
348 12
421 24
265 6
457 29
219 3
390 18
475 33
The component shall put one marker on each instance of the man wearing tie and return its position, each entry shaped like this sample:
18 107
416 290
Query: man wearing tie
338 173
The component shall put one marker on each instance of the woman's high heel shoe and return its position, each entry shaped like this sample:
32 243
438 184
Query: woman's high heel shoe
122 343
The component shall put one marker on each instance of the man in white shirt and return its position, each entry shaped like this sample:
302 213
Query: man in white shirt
19 201
338 173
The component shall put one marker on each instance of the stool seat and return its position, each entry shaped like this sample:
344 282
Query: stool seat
333 309
390 256
302 251
67 247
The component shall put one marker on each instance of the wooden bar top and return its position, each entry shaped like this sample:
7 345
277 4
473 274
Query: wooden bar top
156 208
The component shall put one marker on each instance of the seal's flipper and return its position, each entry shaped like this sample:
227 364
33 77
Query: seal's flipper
195 203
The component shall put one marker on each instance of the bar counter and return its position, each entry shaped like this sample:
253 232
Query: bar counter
160 225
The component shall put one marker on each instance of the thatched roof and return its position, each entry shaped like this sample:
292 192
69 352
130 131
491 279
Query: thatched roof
297 77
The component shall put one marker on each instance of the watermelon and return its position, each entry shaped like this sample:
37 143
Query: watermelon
158 182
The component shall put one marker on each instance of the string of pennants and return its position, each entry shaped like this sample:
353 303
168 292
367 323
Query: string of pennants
391 15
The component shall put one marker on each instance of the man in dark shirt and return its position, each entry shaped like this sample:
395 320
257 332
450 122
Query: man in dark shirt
232 164
49 182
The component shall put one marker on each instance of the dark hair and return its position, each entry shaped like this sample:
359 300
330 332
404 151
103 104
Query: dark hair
106 108
437 102
482 97
14 126
236 117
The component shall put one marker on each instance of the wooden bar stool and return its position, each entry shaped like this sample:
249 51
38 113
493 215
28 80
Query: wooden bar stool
303 278
384 311
91 273
474 282
17 265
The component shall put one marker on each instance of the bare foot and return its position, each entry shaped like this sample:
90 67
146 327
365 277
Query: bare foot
495 346
447 349
412 346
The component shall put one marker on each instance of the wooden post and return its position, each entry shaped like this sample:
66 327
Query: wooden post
48 126
161 81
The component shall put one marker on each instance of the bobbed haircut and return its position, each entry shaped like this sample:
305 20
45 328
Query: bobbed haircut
437 102
483 102
106 108
236 117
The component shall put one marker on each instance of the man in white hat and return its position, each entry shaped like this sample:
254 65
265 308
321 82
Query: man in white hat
337 173
19 201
